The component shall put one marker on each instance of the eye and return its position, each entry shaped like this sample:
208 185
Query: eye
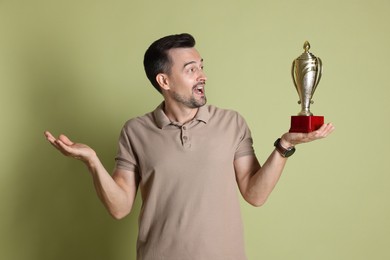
192 69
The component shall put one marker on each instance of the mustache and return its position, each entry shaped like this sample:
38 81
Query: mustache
200 83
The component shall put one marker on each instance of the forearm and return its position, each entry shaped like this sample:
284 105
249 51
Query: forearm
256 183
112 195
264 180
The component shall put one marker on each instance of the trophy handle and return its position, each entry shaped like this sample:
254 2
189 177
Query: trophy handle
293 75
318 74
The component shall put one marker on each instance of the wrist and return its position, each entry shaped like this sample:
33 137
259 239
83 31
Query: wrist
285 143
91 161
285 150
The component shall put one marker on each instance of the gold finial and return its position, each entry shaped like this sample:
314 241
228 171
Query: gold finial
306 46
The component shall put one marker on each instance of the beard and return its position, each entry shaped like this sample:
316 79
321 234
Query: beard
190 102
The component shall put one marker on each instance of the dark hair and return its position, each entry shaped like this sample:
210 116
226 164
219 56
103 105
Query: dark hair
157 60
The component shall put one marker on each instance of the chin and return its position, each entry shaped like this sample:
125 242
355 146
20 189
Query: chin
203 102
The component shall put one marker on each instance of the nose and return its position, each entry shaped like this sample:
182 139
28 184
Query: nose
202 76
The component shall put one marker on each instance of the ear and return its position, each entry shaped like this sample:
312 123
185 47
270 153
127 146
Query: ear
162 80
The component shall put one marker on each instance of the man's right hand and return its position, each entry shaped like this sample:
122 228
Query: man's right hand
117 192
68 148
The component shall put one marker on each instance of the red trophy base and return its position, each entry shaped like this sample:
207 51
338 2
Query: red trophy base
305 124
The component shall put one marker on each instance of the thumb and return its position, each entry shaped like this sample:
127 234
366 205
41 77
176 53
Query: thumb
65 140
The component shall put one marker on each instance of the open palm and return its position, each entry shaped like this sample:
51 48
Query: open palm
67 147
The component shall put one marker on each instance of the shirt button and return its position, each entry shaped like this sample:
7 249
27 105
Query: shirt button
185 138
184 128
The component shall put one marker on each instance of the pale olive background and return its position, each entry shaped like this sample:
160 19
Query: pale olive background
75 67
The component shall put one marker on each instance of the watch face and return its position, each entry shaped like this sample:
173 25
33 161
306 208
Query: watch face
283 151
290 152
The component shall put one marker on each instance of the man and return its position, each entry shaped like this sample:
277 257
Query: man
188 159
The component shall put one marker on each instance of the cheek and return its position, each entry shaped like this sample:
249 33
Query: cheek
182 84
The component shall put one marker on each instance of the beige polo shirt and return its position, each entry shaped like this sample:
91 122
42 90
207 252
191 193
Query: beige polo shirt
190 204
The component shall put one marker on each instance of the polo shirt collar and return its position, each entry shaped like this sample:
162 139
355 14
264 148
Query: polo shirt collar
162 120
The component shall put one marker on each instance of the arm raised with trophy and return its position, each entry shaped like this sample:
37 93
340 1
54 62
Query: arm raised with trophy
257 182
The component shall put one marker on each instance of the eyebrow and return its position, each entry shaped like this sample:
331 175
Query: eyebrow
190 62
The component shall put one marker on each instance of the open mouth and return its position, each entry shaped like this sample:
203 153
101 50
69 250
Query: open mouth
199 89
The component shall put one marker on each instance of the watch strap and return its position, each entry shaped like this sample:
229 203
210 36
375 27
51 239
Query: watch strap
285 152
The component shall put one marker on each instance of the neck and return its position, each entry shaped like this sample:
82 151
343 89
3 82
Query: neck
180 114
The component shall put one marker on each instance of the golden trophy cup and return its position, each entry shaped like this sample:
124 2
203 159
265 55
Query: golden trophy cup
306 72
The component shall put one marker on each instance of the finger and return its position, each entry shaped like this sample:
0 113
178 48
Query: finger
324 130
329 129
51 139
317 134
64 148
49 136
65 139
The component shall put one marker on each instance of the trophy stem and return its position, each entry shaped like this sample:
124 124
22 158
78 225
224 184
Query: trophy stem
305 112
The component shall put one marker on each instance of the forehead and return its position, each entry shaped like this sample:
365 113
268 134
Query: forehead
181 56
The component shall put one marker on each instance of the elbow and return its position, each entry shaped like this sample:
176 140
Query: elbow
119 210
256 201
119 214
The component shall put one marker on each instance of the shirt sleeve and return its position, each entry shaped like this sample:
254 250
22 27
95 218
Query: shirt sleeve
245 145
126 157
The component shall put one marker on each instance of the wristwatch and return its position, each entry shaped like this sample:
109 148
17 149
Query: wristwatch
285 152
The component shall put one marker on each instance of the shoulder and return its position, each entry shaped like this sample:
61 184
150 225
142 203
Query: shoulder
134 123
224 113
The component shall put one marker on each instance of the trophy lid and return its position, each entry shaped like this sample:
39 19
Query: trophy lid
306 55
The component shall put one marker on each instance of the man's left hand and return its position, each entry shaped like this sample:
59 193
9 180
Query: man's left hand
292 139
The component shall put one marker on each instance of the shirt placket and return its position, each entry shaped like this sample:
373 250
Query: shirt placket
185 137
